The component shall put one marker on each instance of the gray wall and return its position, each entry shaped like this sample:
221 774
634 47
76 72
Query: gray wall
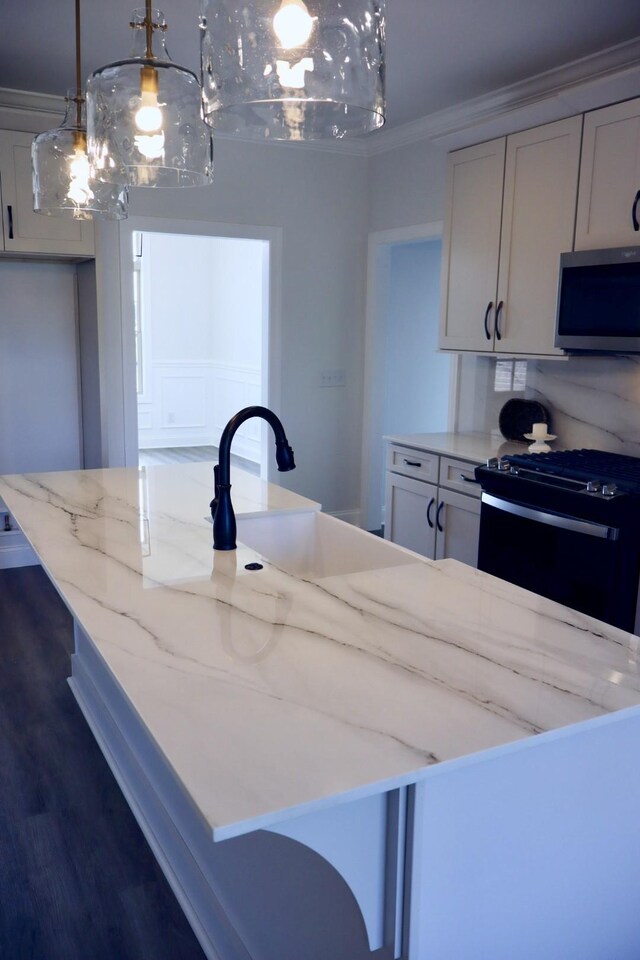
406 186
319 200
39 369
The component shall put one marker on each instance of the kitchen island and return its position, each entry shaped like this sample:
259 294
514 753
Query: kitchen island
350 751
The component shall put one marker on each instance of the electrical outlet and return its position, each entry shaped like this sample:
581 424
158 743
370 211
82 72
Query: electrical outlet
332 378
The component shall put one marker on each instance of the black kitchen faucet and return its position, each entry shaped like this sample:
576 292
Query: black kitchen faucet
224 519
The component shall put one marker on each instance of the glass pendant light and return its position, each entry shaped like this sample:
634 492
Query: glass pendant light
145 115
63 185
293 69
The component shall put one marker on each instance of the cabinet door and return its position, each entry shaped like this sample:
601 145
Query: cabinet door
410 514
458 527
541 182
25 231
471 246
609 178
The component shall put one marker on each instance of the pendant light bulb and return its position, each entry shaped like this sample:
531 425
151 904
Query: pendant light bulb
80 191
293 24
148 118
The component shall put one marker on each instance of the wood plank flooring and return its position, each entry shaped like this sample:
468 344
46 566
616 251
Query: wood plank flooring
156 456
77 879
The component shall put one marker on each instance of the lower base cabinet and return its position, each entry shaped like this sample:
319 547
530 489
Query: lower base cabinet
433 519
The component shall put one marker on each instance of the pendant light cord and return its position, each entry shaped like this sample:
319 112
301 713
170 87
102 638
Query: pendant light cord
79 96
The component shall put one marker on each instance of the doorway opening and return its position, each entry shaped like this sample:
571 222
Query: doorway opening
201 328
408 383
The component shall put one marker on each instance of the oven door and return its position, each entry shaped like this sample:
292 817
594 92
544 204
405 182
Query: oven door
581 563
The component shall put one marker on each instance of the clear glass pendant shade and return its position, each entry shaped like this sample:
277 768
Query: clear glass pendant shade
145 121
63 185
293 69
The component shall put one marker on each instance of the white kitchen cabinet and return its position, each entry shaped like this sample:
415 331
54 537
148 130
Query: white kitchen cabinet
26 232
500 285
438 520
410 513
471 245
457 527
609 194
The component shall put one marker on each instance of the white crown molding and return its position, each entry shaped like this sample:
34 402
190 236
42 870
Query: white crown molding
23 101
607 64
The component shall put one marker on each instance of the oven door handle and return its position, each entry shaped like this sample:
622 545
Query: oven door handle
552 519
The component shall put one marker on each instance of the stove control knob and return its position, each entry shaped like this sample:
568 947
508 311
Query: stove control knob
514 469
609 489
504 466
594 486
492 463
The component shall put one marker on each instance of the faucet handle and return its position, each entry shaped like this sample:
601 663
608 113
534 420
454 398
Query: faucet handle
284 456
216 487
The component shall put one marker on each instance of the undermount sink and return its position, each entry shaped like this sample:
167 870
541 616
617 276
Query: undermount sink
315 545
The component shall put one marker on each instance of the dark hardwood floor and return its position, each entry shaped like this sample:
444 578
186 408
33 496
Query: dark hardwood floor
77 879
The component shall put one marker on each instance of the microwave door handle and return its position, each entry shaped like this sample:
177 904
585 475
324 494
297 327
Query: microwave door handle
634 212
599 530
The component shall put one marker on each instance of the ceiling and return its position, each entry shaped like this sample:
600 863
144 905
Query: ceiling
439 52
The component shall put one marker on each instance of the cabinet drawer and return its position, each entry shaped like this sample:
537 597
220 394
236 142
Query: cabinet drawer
413 463
459 475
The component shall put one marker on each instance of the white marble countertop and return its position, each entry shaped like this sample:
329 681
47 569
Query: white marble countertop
475 447
272 695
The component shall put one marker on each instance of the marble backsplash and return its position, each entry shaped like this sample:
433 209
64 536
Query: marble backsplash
592 401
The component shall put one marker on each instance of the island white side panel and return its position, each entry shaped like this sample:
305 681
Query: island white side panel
531 855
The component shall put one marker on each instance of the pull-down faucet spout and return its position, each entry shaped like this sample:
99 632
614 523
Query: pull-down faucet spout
224 519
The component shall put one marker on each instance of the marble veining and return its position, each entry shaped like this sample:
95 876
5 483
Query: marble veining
594 401
272 694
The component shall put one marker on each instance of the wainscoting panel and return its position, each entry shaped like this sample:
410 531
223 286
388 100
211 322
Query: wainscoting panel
188 403
182 401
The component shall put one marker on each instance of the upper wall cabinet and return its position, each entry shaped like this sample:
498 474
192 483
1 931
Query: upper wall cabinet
609 195
23 230
471 253
511 214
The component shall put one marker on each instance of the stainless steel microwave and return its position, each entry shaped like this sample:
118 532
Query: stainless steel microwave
599 301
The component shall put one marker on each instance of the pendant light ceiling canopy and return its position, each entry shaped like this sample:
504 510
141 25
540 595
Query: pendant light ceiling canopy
293 69
145 115
63 185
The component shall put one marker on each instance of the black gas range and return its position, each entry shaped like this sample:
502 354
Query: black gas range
566 525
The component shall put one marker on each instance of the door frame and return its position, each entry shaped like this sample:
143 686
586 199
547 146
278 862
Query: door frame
126 362
374 355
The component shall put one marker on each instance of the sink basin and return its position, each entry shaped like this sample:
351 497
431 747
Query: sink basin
315 545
